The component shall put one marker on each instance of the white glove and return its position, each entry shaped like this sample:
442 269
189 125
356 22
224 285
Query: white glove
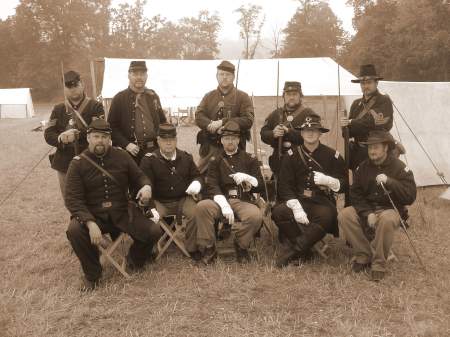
133 149
299 214
324 180
156 217
144 195
194 188
240 177
381 178
68 136
225 207
214 126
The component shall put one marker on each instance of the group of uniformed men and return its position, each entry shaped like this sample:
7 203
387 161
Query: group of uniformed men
134 153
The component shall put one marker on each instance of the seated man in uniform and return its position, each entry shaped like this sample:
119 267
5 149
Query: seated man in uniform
99 205
233 176
309 175
370 223
174 177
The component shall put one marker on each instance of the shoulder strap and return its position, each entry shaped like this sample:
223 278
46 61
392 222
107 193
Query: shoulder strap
227 164
302 153
78 113
366 108
106 173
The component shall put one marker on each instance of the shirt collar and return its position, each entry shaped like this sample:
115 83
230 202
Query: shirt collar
167 158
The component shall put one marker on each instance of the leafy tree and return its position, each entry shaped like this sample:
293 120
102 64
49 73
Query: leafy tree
313 31
251 23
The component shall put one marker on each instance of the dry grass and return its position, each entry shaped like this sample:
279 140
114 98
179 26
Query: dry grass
39 286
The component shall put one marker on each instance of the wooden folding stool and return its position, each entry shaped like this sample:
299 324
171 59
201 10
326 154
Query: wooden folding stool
108 250
171 234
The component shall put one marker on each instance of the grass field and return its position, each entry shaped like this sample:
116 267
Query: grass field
40 276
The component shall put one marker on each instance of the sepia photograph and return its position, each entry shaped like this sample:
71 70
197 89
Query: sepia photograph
240 168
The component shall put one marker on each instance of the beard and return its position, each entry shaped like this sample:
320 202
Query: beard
99 150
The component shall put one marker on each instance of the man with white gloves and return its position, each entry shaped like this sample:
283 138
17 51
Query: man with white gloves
233 176
309 175
174 177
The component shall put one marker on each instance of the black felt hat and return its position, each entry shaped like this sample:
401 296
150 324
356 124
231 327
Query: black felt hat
231 128
367 72
380 136
312 121
71 79
99 125
292 86
167 130
226 66
137 66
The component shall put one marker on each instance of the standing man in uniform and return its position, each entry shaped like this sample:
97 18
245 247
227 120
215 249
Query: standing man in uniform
369 224
174 177
217 108
98 204
135 114
68 124
233 176
282 122
309 176
371 112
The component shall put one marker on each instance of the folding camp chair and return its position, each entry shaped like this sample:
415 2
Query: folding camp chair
321 247
108 250
171 234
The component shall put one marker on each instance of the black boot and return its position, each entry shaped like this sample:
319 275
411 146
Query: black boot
312 233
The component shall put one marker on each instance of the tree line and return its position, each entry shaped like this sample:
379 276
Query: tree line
408 40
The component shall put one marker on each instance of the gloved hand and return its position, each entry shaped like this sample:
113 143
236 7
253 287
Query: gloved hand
324 180
194 188
240 177
133 149
299 214
214 126
156 217
372 219
225 207
278 131
94 233
68 136
144 195
381 178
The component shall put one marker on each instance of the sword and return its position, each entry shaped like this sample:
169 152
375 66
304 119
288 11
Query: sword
403 226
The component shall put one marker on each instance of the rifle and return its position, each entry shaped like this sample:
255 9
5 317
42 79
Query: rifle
346 141
280 139
403 226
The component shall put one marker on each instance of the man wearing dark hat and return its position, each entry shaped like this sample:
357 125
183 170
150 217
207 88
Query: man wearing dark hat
371 112
233 176
281 123
217 108
98 204
135 114
310 174
68 123
174 177
370 223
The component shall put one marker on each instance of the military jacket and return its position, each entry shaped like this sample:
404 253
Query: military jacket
215 105
379 116
218 180
60 121
170 179
122 117
296 180
366 195
89 192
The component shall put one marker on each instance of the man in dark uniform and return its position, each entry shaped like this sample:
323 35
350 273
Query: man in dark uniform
369 224
371 112
174 177
217 108
68 123
282 122
233 176
135 114
99 205
309 175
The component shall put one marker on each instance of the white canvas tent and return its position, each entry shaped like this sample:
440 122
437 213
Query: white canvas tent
16 103
424 106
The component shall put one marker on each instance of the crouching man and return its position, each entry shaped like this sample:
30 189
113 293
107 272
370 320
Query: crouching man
98 204
370 223
309 175
233 176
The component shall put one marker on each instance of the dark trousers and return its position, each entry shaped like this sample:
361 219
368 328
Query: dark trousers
88 254
322 218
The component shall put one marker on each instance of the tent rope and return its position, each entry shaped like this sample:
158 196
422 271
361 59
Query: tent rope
439 173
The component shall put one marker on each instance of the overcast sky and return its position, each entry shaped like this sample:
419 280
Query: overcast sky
278 12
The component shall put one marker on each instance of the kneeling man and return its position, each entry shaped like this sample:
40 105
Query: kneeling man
309 175
370 223
233 176
98 204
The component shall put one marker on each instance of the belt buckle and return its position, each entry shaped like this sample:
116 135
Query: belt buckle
233 193
106 204
307 193
287 144
150 144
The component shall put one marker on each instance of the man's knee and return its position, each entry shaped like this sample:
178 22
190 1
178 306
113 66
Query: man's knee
281 212
347 214
388 220
76 230
206 207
